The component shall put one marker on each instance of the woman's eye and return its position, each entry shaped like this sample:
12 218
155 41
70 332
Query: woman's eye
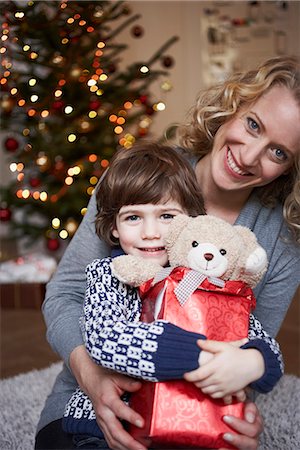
253 125
279 154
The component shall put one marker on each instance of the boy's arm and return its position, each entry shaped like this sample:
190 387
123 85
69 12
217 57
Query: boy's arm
231 369
116 338
269 348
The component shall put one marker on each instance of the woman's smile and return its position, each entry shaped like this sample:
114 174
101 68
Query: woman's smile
232 166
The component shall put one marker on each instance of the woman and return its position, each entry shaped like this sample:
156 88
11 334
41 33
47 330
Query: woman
245 140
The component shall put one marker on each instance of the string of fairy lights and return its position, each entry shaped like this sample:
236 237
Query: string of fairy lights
41 111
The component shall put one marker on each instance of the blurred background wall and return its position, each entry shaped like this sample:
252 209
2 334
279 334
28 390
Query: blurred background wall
208 48
214 39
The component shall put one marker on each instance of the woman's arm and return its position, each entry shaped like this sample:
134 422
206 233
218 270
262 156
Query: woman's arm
276 293
63 303
105 389
277 289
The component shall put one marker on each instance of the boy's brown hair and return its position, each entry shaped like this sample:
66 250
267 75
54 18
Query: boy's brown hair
145 173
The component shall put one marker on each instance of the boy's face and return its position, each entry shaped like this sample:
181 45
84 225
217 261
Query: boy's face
141 229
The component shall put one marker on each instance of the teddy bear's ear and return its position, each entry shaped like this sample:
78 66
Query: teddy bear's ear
247 236
177 225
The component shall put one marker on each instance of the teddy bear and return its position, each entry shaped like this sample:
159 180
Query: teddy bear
206 244
207 287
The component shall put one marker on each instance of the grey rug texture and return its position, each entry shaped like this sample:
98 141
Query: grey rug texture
22 398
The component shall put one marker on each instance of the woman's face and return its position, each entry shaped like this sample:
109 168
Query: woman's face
260 143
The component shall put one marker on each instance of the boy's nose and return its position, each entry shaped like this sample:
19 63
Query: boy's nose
150 230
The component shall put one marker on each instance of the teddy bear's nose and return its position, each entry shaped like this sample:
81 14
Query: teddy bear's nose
208 256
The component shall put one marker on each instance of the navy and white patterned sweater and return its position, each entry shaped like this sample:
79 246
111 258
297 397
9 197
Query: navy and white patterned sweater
158 351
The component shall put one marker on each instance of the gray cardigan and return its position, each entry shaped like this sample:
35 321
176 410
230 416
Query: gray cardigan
63 305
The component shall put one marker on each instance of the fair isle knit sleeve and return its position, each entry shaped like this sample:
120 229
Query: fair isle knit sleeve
270 350
116 339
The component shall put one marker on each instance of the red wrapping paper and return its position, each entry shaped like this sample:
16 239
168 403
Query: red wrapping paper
176 413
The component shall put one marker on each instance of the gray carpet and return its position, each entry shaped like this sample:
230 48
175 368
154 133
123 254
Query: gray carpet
22 398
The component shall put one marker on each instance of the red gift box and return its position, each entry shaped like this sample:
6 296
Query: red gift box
177 414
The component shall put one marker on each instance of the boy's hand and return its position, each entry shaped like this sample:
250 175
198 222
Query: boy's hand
240 396
205 356
230 370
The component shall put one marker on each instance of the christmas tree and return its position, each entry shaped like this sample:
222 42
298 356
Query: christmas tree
68 102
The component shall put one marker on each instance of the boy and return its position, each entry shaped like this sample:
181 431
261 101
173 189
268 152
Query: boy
143 190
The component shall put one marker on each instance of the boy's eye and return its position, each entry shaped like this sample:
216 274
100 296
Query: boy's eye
132 218
279 154
167 216
253 125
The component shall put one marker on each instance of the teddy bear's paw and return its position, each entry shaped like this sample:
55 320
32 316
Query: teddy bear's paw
256 261
134 270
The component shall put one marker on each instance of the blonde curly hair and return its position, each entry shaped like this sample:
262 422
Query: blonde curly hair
219 103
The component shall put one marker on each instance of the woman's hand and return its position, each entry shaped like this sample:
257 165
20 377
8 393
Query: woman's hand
249 429
105 388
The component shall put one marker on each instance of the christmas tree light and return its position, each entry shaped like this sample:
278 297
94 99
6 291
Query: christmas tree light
67 104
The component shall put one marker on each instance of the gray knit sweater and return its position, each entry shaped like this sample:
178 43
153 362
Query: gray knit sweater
63 304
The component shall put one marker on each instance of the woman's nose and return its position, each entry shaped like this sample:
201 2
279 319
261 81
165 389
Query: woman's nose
252 155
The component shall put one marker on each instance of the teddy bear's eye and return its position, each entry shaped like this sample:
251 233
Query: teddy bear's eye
223 251
195 244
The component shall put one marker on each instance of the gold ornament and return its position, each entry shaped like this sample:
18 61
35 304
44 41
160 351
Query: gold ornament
71 226
7 104
58 59
75 72
166 86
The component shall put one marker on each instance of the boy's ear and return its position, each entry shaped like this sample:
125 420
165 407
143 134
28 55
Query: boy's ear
115 233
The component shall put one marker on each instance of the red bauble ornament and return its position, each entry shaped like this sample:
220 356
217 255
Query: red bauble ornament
11 144
149 110
5 214
143 99
143 132
94 105
111 68
167 61
34 182
137 31
53 244
58 105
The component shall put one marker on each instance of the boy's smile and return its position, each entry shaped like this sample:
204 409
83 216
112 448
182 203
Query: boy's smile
142 229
